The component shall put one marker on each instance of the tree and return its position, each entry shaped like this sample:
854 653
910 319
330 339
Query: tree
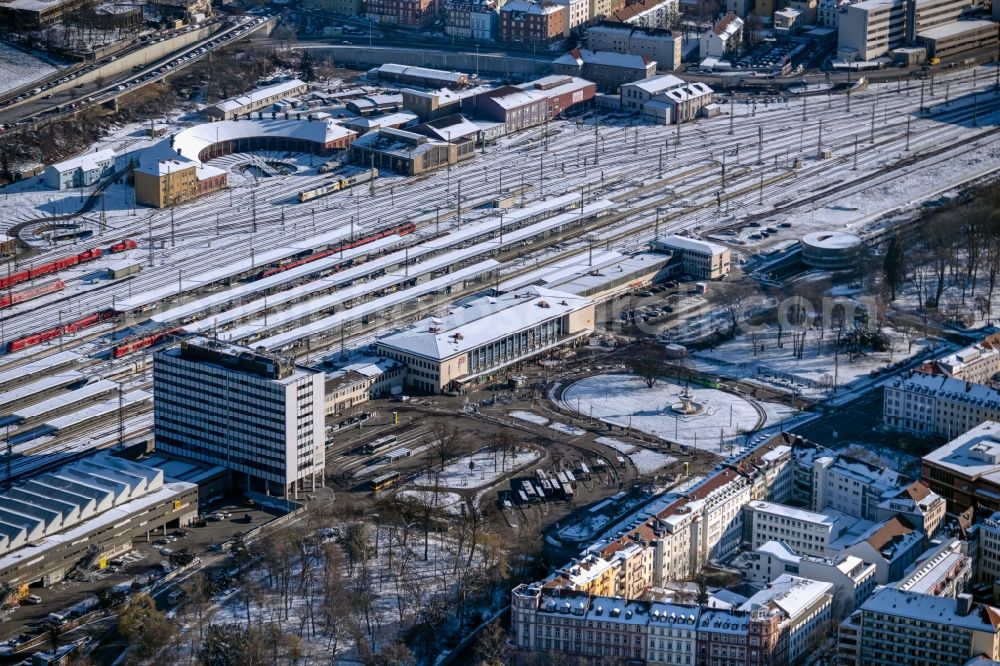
894 266
491 646
648 362
147 630
307 66
702 598
735 300
232 645
445 443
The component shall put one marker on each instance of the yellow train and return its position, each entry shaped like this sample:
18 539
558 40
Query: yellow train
337 184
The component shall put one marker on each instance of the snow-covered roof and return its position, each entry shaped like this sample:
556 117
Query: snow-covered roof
556 85
956 29
86 162
454 126
933 567
657 84
691 245
188 144
39 366
605 58
780 550
511 97
483 320
236 103
974 453
522 6
832 240
720 621
421 72
388 120
792 513
931 609
791 594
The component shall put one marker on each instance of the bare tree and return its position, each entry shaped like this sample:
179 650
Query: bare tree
735 299
648 361
445 443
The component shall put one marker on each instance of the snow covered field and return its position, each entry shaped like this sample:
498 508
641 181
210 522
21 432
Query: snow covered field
625 401
760 359
476 470
646 461
530 417
19 68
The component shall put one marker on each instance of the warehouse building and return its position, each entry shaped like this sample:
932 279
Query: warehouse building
258 415
409 153
80 171
82 514
945 40
609 70
418 76
482 338
256 100
514 107
563 92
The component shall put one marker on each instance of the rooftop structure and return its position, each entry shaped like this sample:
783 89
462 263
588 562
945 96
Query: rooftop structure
966 470
419 76
257 99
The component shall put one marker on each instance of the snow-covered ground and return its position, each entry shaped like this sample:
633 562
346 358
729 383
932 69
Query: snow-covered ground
567 429
477 469
625 401
448 502
646 461
760 359
530 417
19 68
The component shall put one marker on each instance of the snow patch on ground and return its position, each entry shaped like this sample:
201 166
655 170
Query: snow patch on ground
615 444
19 68
567 429
647 461
530 417
486 467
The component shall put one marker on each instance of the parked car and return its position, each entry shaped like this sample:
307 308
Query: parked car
32 599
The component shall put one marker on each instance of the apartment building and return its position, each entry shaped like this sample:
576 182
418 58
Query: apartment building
976 363
257 415
700 259
944 570
987 566
472 19
659 45
576 14
846 484
926 404
806 606
852 578
413 13
899 628
662 14
966 470
723 39
538 23
922 507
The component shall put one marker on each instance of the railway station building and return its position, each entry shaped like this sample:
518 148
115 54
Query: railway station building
258 415
477 341
82 514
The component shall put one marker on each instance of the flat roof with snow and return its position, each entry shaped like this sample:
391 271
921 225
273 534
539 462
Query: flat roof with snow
87 162
483 320
254 96
691 245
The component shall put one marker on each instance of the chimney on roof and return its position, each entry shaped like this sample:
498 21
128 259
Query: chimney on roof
964 604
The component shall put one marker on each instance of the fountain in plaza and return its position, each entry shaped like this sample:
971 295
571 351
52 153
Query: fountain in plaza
687 406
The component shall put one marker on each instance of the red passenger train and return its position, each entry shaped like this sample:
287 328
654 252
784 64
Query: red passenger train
38 338
9 299
142 343
56 265
401 230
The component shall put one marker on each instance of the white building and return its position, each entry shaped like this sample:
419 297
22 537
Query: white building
658 45
805 532
487 335
976 363
258 415
256 100
700 259
853 579
807 605
851 485
723 39
934 405
871 28
80 171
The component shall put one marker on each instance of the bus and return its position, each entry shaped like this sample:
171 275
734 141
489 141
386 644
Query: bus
380 483
379 445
